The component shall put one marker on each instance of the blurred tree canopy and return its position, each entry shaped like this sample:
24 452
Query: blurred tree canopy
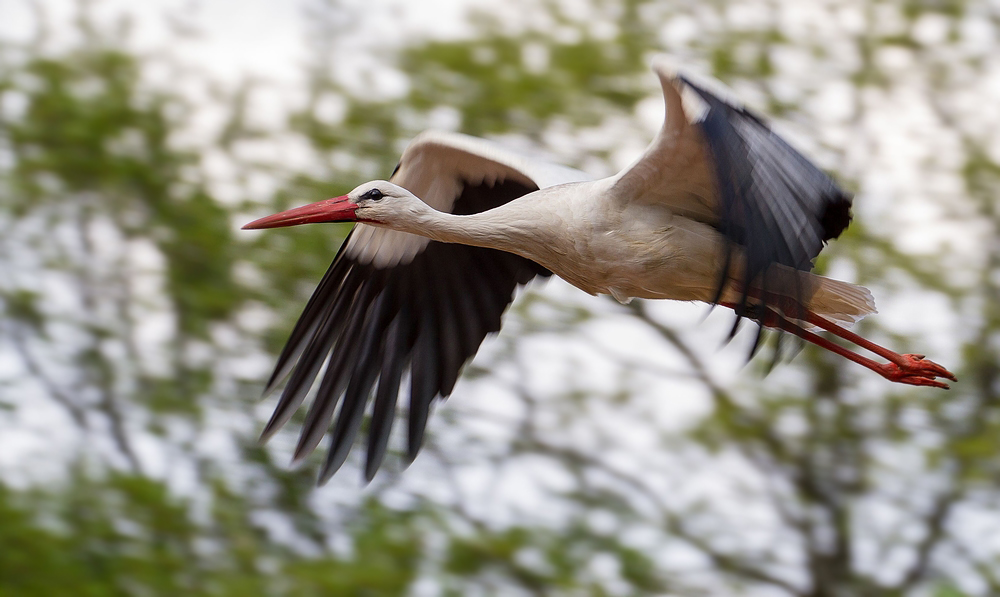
137 326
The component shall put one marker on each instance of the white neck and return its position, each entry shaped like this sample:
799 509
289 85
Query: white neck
516 227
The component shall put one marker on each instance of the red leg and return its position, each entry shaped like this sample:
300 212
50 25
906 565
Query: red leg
903 368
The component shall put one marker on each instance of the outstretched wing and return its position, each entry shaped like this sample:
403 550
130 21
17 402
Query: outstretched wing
773 201
730 170
394 303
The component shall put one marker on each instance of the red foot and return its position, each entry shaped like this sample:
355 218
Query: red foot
916 371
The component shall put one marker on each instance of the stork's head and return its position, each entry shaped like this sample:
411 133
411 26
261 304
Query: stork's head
375 202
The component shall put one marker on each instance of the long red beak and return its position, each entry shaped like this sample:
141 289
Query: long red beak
338 209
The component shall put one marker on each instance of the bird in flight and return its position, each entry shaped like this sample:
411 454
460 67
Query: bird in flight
717 209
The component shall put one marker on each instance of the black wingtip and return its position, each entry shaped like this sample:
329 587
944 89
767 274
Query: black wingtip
370 470
417 428
386 395
736 326
837 215
414 441
757 341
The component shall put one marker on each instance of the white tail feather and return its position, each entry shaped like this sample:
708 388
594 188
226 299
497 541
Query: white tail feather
842 302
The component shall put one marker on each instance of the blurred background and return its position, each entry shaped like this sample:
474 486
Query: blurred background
591 448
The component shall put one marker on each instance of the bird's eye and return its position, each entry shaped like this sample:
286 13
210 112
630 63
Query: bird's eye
373 194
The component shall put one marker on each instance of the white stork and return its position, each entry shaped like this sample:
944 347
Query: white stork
441 247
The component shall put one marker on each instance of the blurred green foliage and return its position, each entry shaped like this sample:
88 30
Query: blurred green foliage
89 129
126 535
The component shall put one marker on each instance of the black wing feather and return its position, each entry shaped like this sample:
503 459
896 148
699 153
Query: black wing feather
773 201
387 394
425 372
337 376
309 320
374 325
366 372
318 340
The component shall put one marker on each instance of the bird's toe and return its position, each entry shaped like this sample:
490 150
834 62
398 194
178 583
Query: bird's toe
916 370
